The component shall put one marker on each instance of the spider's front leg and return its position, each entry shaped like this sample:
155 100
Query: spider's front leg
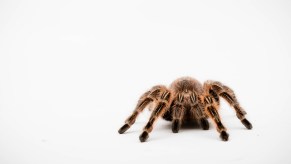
177 109
197 109
178 112
161 107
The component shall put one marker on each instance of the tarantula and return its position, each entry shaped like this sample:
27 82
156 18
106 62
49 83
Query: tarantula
186 100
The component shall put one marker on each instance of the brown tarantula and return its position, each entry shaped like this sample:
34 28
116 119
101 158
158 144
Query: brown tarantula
186 100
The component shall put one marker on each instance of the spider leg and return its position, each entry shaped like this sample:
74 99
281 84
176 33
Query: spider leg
178 112
197 109
203 122
144 100
211 110
217 88
162 106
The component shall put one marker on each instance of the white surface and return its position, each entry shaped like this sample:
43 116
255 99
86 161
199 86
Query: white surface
72 71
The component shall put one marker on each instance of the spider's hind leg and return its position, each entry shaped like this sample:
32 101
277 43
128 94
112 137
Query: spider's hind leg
144 101
227 93
163 103
161 97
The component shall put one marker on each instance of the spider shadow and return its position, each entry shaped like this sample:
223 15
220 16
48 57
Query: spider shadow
190 125
187 125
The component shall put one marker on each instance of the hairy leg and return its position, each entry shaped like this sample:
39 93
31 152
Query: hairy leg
197 109
144 100
163 104
217 88
211 110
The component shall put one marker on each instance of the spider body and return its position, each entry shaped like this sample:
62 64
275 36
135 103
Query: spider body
186 100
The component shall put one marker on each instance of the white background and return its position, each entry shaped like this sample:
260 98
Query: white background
72 71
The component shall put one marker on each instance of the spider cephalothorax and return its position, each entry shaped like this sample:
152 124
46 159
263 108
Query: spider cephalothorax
186 100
